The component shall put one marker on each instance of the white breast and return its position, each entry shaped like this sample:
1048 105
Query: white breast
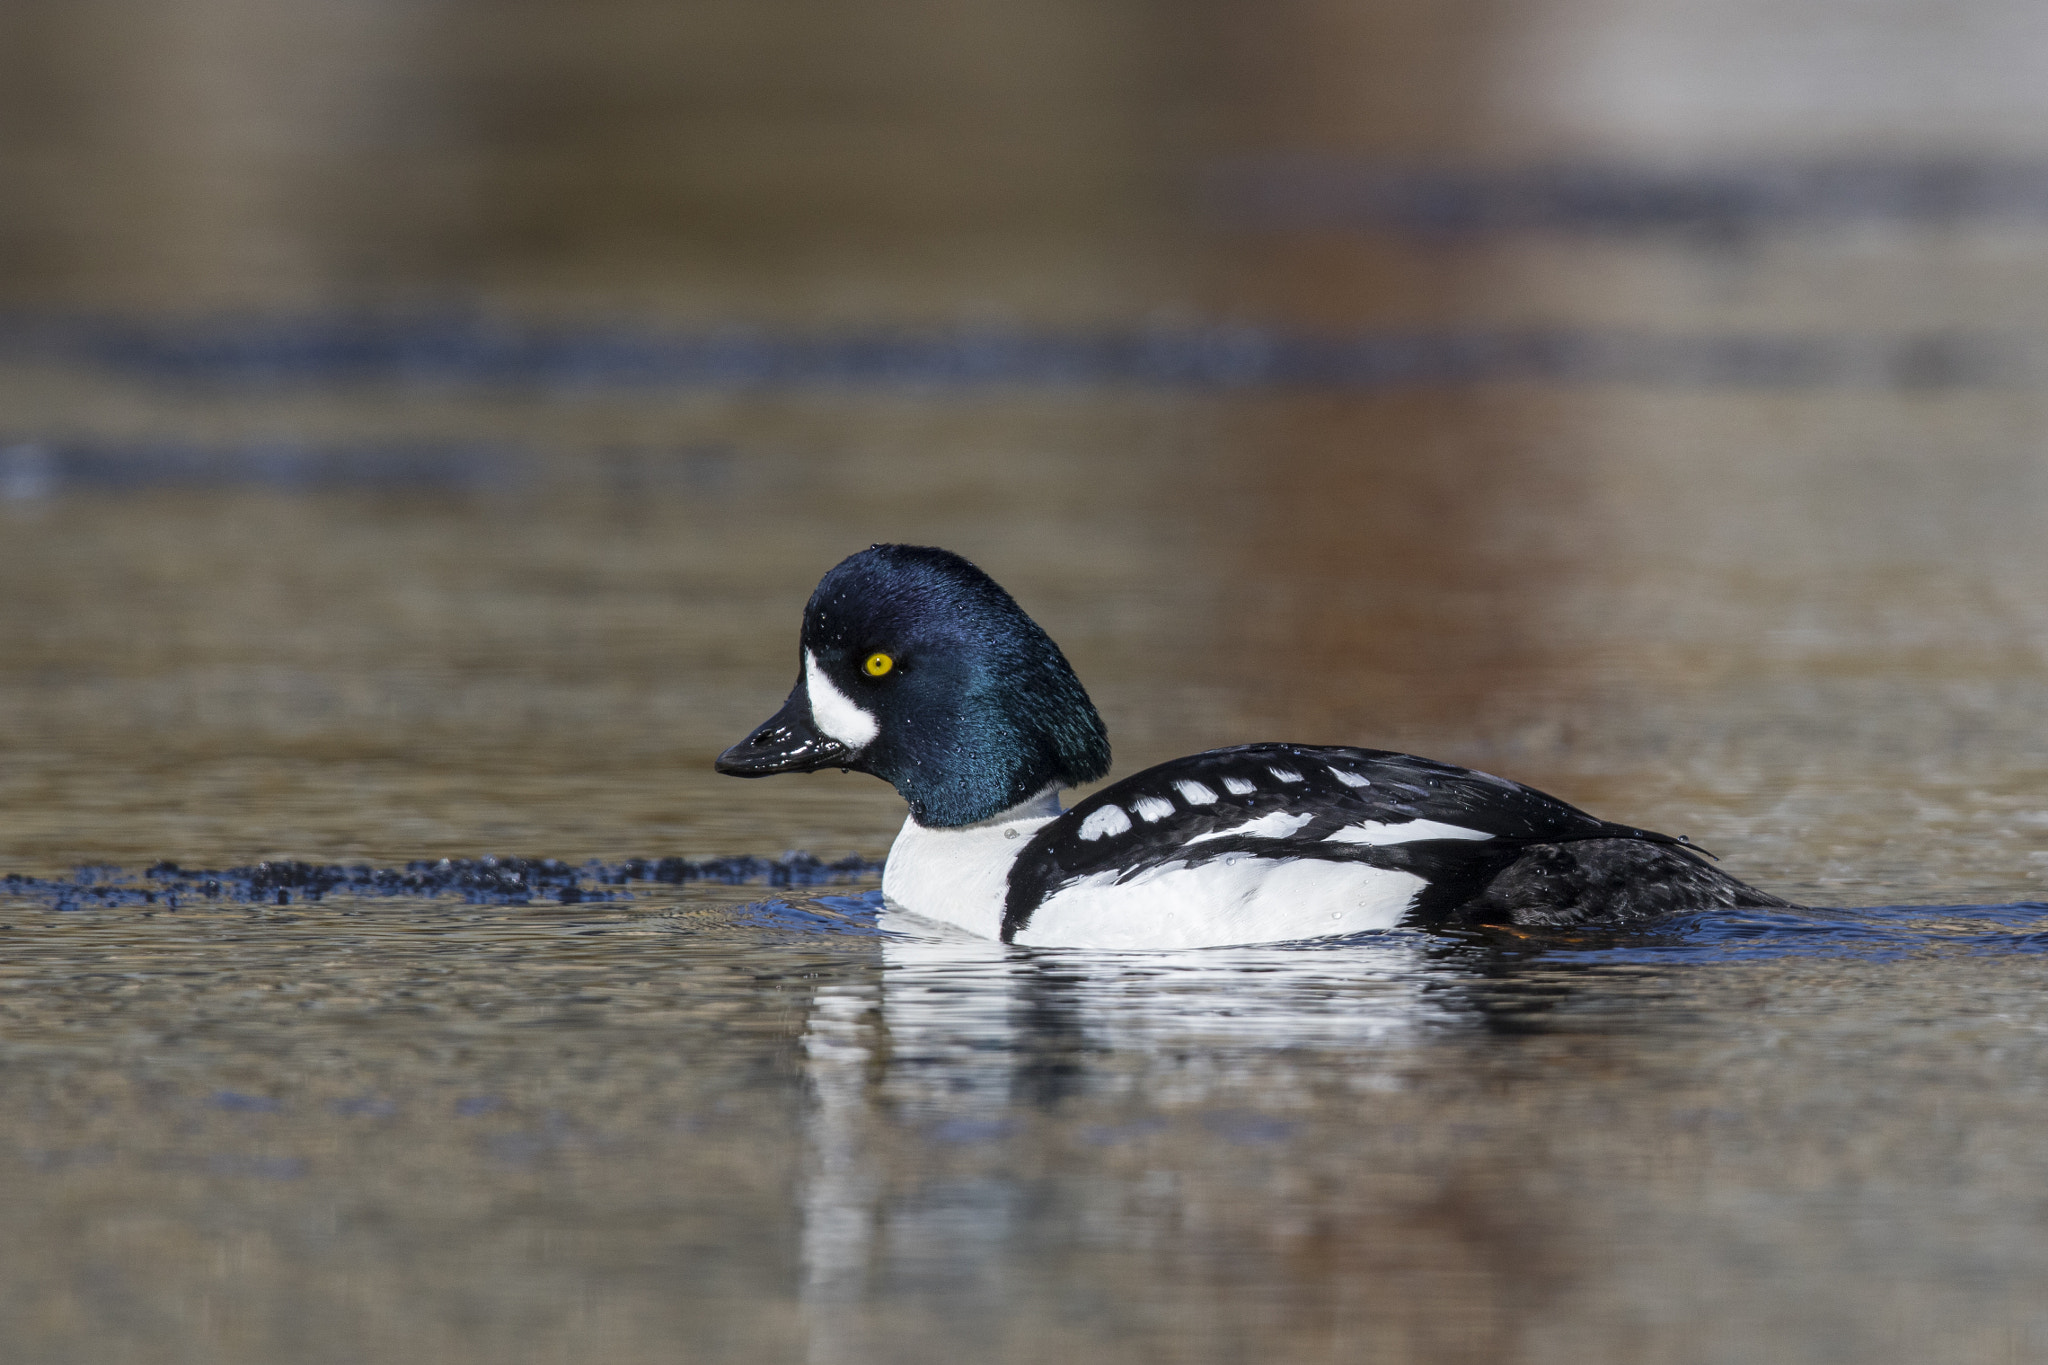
961 876
1231 900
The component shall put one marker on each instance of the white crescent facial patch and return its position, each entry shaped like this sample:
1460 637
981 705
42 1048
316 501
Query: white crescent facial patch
835 714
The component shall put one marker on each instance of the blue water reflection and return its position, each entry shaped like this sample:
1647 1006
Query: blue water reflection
1876 932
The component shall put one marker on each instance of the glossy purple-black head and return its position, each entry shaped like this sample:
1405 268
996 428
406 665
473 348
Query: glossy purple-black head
918 668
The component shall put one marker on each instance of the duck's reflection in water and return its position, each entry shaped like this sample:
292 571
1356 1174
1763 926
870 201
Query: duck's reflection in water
1002 1138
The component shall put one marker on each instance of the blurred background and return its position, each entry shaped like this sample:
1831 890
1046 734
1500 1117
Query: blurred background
421 424
422 420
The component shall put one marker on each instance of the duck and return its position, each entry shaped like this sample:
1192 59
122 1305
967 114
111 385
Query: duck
918 668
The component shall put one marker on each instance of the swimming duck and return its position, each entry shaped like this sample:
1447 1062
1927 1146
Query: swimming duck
916 667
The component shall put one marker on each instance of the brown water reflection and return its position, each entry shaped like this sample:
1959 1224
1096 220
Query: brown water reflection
1794 610
1401 552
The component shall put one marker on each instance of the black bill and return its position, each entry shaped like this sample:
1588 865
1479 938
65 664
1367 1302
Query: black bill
786 742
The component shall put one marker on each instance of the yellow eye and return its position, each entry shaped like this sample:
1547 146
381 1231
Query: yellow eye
878 663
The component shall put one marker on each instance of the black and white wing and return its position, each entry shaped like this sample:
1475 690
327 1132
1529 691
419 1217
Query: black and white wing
1453 828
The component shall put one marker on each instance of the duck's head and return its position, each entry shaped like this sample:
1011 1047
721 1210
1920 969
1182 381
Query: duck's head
917 668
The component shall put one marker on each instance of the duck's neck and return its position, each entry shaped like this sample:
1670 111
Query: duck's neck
960 874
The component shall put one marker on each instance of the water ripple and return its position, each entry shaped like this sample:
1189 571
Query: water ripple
477 881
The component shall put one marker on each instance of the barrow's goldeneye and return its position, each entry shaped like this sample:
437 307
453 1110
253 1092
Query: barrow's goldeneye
919 669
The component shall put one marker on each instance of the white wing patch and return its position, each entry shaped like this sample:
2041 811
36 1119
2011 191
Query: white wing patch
1407 832
1152 808
1237 786
1285 774
1195 794
1278 825
833 712
1105 821
1350 779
